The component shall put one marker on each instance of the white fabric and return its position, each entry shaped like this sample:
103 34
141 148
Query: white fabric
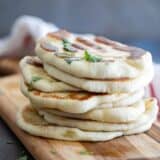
22 27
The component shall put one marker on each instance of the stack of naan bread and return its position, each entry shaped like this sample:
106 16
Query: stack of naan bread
87 88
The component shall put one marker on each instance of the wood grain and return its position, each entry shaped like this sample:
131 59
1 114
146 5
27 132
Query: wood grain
8 66
135 147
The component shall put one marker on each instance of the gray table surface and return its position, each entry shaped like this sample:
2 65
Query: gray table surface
10 147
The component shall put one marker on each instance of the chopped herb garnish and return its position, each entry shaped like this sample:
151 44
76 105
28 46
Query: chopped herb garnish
85 152
65 41
69 133
69 61
67 46
91 58
35 78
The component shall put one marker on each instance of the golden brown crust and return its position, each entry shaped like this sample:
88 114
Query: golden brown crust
63 34
59 35
70 95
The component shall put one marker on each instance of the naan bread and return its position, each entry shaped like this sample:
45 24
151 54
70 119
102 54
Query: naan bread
111 115
79 102
31 122
92 57
102 86
148 116
35 76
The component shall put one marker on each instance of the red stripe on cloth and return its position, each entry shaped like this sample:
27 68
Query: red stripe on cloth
153 94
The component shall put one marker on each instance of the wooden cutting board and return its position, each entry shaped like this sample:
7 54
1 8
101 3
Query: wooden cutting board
136 147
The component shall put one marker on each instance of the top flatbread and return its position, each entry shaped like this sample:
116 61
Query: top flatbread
92 57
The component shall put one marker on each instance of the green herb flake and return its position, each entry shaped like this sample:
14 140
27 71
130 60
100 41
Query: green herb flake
85 152
24 157
91 58
69 61
67 46
36 78
65 41
69 134
33 80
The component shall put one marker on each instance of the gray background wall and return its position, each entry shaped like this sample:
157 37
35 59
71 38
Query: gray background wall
131 21
117 18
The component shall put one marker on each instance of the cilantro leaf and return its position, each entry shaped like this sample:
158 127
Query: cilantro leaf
85 152
67 46
36 78
33 80
91 58
69 61
65 41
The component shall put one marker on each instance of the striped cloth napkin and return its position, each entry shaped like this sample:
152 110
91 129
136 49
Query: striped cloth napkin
153 89
34 27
